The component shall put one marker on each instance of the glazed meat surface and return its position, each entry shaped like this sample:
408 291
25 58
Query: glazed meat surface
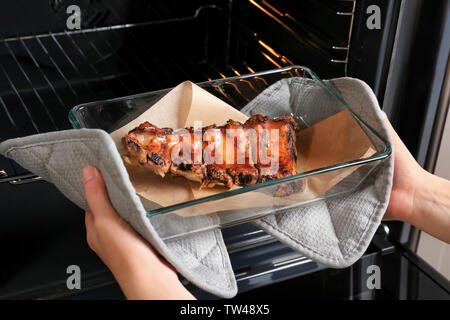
258 150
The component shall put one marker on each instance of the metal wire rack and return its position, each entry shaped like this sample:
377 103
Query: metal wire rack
42 76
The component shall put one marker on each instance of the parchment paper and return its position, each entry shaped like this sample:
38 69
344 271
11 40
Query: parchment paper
334 140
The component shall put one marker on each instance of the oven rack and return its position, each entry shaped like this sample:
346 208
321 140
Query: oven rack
43 75
28 106
307 34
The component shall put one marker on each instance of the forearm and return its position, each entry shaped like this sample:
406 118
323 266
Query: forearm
149 280
431 207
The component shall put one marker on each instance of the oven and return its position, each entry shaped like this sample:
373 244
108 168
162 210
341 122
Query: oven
59 53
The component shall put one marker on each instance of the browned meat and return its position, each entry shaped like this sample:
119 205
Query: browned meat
258 150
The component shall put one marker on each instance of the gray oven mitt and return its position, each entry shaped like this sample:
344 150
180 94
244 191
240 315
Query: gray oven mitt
59 157
337 231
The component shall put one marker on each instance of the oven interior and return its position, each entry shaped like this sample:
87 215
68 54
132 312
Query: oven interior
126 47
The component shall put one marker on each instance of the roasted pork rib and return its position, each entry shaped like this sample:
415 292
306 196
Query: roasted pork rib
258 150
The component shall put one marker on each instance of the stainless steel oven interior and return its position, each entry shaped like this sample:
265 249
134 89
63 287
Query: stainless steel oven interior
128 47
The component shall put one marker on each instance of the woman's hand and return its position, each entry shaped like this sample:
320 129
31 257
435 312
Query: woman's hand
407 177
139 270
418 197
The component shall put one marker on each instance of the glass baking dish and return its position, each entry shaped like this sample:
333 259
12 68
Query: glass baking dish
243 204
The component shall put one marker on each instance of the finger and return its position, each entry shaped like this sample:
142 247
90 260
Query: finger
90 231
394 135
88 219
399 145
96 194
389 125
